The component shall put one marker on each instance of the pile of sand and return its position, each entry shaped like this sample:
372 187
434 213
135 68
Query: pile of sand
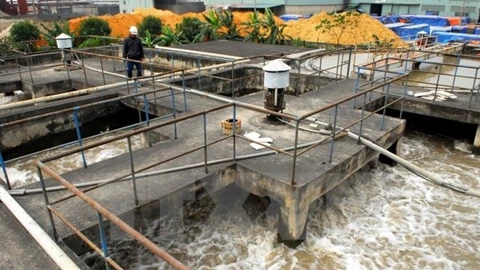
360 32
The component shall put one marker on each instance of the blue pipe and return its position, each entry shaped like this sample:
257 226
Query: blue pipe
79 134
4 169
103 239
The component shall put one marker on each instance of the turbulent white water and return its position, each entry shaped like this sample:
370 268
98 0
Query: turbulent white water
24 172
380 218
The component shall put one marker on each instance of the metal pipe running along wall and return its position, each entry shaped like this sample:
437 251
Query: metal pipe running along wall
42 238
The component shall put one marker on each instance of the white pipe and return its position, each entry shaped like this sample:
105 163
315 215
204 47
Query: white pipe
50 247
63 95
424 173
216 55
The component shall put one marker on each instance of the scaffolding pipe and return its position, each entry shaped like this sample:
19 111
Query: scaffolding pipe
196 53
42 238
23 192
63 95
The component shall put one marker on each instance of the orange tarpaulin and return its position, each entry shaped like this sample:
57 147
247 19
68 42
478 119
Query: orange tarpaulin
454 21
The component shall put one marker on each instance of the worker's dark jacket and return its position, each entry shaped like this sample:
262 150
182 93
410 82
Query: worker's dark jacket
132 48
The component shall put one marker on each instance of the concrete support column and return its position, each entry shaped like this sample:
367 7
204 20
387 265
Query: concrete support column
292 224
476 142
395 149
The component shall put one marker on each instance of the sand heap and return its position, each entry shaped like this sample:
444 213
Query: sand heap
361 30
361 33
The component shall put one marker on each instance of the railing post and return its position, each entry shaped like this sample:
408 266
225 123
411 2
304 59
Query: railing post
103 239
79 134
84 70
126 75
205 141
336 68
184 92
233 79
385 107
473 89
349 62
132 168
438 81
199 76
103 73
4 169
455 74
404 97
334 130
234 132
30 68
45 197
146 107
174 111
361 121
295 145
341 65
18 66
356 88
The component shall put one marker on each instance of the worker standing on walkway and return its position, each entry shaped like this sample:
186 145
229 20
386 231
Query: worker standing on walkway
133 50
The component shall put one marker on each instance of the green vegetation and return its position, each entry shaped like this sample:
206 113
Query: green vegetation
23 35
264 30
150 24
149 40
93 29
190 27
171 38
49 34
339 24
94 26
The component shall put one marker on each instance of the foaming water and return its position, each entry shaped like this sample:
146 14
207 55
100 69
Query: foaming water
24 172
380 218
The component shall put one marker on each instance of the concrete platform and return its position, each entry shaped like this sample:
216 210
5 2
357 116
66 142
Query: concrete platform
269 175
242 49
264 176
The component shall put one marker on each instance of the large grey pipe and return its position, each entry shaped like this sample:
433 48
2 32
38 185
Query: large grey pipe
42 238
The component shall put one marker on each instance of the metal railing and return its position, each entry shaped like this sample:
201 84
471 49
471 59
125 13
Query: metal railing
411 66
294 152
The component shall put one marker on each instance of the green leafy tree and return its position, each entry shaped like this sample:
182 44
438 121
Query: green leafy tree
338 24
23 34
151 24
93 26
49 34
191 27
171 38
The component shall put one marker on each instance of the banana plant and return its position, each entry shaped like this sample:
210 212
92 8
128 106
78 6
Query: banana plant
49 34
211 27
273 32
226 17
171 38
253 28
149 41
